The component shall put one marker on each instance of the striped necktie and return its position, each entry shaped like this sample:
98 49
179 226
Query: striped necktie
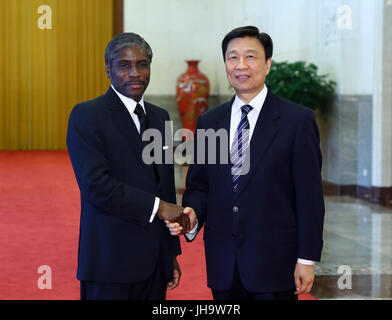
240 146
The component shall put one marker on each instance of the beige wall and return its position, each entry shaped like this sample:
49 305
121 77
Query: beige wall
305 30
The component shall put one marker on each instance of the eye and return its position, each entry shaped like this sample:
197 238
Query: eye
123 65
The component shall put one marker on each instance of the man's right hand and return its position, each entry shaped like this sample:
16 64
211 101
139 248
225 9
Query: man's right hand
182 221
174 214
177 229
169 211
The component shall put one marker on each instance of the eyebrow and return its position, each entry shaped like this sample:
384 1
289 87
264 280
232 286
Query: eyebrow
127 61
247 51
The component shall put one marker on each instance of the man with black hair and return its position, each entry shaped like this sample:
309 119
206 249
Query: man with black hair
125 250
263 211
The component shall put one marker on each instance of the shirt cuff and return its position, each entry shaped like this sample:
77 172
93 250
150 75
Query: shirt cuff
192 234
307 262
155 209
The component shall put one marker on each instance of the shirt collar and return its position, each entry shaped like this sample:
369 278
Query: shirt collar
256 103
129 103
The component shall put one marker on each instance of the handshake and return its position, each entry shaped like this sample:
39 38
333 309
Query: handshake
175 214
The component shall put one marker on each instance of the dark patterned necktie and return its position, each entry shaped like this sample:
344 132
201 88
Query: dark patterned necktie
240 146
143 127
142 118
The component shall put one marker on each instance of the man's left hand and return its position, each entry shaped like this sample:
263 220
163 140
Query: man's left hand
304 277
176 275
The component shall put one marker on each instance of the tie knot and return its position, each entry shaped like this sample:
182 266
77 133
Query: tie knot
139 111
246 109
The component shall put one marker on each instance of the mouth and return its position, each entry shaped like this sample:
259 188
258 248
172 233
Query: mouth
135 84
242 77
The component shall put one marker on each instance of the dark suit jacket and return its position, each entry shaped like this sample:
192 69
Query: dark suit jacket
276 215
117 243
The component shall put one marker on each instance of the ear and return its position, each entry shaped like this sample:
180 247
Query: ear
268 66
107 70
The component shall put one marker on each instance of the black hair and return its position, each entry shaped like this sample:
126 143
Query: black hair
249 31
125 40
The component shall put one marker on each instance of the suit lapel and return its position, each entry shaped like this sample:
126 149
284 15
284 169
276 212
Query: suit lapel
265 131
223 122
155 122
124 122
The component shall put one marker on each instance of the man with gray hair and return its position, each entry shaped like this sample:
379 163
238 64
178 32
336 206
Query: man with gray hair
125 250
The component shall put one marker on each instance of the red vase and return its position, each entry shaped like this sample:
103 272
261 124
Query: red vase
193 89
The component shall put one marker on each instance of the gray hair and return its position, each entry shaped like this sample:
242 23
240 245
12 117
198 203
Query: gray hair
125 40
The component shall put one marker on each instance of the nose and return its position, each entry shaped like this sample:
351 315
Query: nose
241 63
134 72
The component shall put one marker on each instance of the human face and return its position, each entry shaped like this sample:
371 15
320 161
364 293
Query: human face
246 67
130 72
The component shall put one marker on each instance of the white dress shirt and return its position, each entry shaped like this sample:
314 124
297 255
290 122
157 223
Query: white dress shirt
257 103
236 114
130 104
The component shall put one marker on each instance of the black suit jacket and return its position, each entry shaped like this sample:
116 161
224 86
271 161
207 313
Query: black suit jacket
117 243
276 215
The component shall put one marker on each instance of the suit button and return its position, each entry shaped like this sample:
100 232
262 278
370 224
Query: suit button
236 209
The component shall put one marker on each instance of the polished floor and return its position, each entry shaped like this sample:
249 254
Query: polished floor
356 262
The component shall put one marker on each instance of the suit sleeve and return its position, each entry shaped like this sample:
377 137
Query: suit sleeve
310 209
196 192
97 185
